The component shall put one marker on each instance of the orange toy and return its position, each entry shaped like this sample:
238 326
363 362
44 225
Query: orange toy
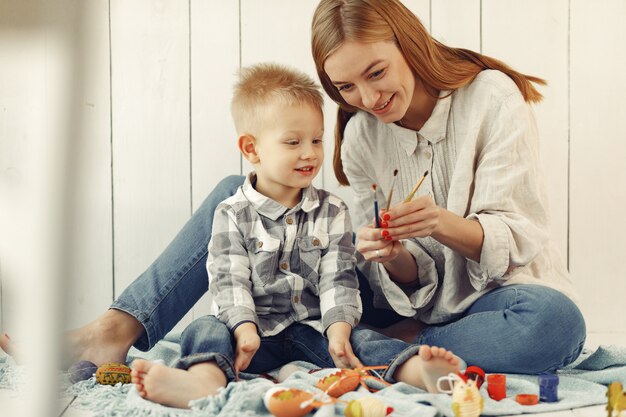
288 402
346 380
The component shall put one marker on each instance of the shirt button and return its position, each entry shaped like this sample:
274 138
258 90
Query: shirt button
296 299
289 220
316 242
428 154
259 244
284 265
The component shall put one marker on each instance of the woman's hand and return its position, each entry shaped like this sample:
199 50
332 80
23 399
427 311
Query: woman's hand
373 244
376 245
420 217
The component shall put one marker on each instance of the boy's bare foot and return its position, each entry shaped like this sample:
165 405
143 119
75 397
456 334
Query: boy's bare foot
106 339
423 369
176 387
6 345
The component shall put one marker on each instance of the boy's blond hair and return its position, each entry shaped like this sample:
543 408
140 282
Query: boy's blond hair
269 83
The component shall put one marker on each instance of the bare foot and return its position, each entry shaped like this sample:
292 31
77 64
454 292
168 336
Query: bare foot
423 369
176 387
106 339
6 345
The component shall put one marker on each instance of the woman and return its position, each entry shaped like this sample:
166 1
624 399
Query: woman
469 256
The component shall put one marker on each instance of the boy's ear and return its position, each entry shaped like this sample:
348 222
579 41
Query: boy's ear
247 146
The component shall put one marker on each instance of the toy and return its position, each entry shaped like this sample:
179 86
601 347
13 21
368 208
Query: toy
367 407
81 371
527 399
346 380
617 399
474 373
548 385
496 386
466 398
283 402
292 402
112 373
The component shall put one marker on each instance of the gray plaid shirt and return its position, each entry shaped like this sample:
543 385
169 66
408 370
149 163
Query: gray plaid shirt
274 266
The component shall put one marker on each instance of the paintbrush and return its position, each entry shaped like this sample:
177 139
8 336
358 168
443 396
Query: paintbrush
375 206
393 184
410 197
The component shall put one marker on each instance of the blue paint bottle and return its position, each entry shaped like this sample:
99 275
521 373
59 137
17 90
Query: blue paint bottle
548 384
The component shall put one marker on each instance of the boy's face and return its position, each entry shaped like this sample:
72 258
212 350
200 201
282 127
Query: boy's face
288 150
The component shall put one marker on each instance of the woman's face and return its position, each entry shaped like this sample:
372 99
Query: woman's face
373 77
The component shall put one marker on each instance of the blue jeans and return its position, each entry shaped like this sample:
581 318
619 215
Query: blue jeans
208 339
515 329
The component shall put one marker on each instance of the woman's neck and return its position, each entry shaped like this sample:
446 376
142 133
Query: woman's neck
421 107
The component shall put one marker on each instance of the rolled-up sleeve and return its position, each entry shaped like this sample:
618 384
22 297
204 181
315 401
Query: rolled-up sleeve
509 195
228 267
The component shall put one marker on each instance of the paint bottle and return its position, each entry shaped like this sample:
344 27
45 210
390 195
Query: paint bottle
548 384
496 386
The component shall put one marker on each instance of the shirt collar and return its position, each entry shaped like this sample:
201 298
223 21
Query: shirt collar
272 209
433 130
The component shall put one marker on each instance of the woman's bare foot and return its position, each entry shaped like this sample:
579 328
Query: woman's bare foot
106 339
423 369
176 387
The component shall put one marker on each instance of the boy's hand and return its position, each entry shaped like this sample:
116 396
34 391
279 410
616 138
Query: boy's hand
248 342
339 345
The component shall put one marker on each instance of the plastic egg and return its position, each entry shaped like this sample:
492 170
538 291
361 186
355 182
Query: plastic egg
112 373
287 402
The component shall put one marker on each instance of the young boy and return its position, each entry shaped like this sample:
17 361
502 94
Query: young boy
281 262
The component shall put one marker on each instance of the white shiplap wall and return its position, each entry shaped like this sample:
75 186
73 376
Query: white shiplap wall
157 136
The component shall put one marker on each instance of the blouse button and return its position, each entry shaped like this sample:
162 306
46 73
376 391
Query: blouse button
316 242
259 244
289 220
296 299
284 265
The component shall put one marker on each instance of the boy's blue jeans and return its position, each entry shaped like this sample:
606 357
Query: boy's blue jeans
208 339
514 329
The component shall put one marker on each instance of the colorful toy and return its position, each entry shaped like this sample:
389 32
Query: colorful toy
346 380
466 398
474 373
284 402
496 386
112 373
617 399
548 385
80 371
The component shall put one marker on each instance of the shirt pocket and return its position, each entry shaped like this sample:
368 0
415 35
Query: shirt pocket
264 252
310 249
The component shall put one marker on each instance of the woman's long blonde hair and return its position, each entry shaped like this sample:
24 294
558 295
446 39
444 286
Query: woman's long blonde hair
438 66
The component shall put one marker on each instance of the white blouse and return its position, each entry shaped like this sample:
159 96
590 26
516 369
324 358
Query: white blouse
481 149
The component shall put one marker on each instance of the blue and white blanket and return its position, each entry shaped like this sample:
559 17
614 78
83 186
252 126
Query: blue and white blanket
581 384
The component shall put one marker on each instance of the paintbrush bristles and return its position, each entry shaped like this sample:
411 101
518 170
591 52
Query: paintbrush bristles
393 184
417 186
376 221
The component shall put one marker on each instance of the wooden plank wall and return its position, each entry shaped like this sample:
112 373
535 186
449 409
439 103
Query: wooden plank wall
158 136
